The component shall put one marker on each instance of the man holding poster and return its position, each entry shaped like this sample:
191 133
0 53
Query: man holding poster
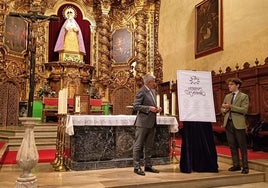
196 111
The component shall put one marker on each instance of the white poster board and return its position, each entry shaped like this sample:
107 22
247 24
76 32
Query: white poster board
195 96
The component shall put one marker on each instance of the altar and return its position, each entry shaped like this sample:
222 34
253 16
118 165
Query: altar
106 141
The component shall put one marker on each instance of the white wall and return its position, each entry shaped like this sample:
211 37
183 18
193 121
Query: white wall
245 36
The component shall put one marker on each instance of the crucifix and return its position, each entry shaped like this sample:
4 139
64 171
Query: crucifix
32 19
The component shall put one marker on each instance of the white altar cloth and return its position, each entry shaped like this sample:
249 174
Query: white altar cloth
113 120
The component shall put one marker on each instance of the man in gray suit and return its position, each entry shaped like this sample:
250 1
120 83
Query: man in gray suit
234 108
146 107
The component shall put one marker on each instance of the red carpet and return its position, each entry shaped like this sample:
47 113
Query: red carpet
224 150
2 144
9 157
44 156
252 155
49 154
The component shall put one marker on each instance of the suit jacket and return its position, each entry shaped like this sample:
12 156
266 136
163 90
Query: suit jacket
239 109
144 99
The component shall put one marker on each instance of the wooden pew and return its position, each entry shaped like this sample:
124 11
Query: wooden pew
219 131
50 108
96 107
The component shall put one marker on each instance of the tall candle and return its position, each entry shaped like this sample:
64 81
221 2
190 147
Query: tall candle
158 100
60 110
77 104
62 104
173 103
166 105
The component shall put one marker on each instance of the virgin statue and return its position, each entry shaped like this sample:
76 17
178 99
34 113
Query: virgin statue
70 43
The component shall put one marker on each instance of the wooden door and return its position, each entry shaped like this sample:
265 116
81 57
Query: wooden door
122 99
9 104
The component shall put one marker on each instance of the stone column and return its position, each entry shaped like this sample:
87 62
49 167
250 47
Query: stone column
27 156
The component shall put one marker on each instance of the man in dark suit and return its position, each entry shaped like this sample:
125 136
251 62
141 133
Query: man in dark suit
234 108
146 107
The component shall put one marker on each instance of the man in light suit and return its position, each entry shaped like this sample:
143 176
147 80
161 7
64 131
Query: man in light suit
146 107
234 108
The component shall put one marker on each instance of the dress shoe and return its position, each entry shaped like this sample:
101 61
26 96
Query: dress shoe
151 169
139 171
245 171
234 168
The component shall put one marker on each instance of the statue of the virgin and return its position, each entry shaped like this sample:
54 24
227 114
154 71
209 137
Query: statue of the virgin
70 43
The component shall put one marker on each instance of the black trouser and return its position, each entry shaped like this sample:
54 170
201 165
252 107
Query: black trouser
237 139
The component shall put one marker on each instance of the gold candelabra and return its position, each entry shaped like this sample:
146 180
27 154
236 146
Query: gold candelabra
174 147
59 161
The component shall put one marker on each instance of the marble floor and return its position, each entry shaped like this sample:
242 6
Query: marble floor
169 177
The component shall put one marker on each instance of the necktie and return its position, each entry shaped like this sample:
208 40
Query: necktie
232 100
151 92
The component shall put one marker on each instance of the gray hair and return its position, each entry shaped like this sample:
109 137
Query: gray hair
148 77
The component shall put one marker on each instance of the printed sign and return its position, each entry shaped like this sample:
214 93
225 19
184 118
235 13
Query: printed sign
195 96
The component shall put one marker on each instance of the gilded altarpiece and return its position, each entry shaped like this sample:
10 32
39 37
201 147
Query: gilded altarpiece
128 50
116 78
13 45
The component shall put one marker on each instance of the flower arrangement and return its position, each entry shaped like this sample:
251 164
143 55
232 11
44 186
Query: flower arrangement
74 59
94 93
45 91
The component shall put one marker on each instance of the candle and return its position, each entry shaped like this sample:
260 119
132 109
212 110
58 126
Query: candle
158 100
62 105
77 104
173 103
166 105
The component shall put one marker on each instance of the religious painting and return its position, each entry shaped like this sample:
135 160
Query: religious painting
81 104
15 34
208 27
121 45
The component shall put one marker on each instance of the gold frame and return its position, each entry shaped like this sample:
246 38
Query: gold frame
122 45
16 34
208 27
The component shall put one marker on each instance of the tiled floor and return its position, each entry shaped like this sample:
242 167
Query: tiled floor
169 176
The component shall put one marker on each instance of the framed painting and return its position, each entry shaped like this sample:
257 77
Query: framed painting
208 27
121 46
16 34
81 104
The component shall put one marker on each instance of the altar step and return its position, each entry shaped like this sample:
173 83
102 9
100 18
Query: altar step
169 177
45 136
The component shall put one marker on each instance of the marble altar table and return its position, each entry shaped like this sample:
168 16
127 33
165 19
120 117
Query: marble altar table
105 141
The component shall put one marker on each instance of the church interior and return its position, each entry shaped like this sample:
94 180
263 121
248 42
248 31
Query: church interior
93 54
